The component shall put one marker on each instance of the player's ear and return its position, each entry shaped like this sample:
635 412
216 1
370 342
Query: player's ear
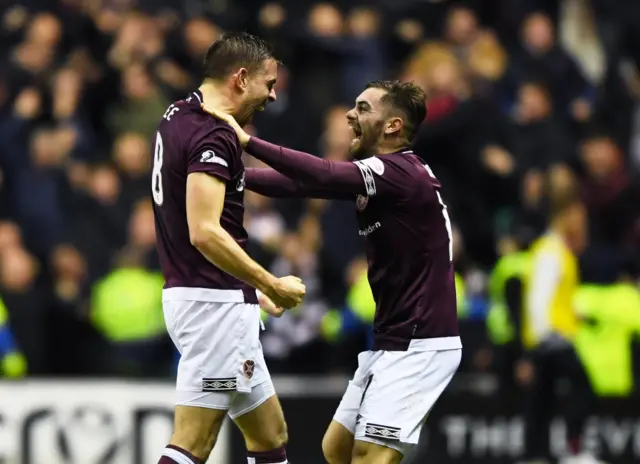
242 78
393 125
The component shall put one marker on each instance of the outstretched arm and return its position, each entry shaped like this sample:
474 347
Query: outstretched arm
355 178
364 177
271 183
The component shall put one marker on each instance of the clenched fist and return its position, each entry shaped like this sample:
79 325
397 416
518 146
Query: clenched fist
287 292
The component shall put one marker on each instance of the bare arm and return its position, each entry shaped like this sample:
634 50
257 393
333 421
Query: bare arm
205 200
271 183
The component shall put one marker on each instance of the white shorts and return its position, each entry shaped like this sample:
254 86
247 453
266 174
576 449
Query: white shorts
221 364
392 392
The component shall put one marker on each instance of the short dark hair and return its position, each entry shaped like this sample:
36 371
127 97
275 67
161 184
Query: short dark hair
235 49
406 97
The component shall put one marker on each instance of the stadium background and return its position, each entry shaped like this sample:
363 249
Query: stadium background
522 94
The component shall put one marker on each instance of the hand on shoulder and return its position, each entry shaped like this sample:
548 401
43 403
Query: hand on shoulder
242 135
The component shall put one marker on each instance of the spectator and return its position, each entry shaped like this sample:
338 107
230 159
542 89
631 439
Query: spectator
540 58
26 305
69 272
131 156
469 143
197 36
141 104
479 50
68 113
540 136
30 61
99 219
126 308
38 188
611 195
365 55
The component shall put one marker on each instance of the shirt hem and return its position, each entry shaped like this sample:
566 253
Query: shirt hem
209 295
417 344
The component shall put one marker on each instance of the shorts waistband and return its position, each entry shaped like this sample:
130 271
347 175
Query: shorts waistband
211 295
435 344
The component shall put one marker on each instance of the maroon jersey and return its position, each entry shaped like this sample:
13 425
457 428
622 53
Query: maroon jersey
405 226
189 140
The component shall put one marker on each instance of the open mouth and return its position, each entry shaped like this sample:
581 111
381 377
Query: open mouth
357 132
262 106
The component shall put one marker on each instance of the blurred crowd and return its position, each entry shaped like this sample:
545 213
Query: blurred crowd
522 93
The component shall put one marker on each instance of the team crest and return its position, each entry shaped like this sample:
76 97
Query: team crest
248 368
361 202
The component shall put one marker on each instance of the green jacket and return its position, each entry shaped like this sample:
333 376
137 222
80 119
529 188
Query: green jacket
499 322
126 305
13 364
612 319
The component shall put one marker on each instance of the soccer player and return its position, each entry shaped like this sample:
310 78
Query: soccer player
209 300
407 232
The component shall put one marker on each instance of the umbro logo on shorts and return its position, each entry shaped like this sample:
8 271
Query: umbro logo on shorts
216 385
381 431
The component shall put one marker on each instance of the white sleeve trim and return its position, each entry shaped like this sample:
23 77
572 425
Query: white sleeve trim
176 456
367 177
209 156
544 284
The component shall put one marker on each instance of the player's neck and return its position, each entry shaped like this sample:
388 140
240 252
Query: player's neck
217 95
558 230
395 144
387 149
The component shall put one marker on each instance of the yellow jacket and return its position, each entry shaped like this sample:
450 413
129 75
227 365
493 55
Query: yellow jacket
550 283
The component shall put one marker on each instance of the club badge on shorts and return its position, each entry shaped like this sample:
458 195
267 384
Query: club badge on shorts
361 202
247 368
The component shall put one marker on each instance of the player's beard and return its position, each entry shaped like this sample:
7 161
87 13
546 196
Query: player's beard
363 146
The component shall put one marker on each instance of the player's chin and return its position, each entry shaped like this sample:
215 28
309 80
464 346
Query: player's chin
260 107
355 149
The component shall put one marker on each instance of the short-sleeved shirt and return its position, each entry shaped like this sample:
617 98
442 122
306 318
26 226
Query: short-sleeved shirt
188 141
